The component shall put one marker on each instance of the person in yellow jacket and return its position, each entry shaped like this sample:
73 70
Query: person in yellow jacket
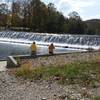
33 49
51 48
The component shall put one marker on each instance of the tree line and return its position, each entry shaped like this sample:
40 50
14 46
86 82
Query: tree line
38 17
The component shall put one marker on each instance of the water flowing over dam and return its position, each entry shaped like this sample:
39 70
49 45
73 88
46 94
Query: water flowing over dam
16 43
89 40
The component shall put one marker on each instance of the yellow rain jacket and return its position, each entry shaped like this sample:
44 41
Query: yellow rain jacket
33 47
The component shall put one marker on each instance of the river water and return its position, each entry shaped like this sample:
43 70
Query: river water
18 43
7 49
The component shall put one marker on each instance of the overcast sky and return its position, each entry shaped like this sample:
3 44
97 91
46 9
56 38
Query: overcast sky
87 9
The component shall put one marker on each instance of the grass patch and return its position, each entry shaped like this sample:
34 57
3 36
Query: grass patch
83 72
27 72
97 98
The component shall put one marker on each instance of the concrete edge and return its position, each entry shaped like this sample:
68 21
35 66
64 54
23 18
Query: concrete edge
14 61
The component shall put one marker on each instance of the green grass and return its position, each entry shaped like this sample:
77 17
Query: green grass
97 98
27 72
85 73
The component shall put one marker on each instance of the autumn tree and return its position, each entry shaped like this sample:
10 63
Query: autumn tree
38 17
3 14
16 16
76 25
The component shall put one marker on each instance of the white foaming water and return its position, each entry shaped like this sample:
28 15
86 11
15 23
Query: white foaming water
64 45
16 43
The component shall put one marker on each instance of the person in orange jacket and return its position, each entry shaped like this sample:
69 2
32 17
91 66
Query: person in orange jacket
51 48
33 49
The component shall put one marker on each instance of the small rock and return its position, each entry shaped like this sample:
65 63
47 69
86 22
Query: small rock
3 81
55 95
96 84
62 97
43 99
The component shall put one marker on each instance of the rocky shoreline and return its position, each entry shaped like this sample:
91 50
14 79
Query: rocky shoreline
12 88
62 59
15 89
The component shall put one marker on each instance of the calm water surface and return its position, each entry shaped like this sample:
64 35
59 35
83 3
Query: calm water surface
7 49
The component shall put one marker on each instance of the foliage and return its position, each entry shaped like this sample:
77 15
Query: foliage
85 73
39 17
3 14
93 26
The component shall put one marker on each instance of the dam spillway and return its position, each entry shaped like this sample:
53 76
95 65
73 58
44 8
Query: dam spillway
89 40
17 43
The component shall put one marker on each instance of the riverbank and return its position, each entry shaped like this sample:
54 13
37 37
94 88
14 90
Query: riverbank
14 89
59 60
17 88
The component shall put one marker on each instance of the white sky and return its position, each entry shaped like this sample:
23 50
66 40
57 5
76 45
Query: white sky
87 9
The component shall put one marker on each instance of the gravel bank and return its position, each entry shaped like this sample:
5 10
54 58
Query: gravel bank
15 89
62 59
12 88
